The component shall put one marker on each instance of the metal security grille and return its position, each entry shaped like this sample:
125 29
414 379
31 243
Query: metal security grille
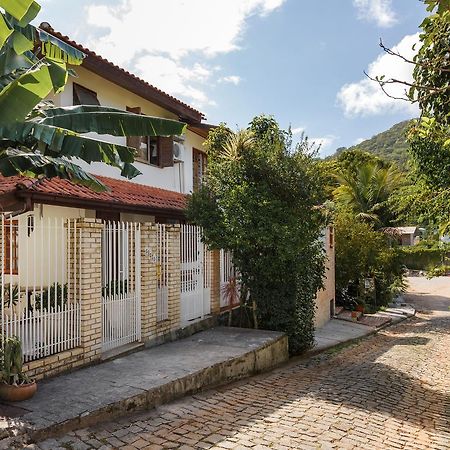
40 283
121 284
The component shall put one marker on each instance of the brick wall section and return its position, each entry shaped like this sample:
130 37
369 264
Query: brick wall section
215 282
90 287
148 280
174 288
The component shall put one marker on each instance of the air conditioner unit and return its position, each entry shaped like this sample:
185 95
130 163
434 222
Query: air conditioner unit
178 151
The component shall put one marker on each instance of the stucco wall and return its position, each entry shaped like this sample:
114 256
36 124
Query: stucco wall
178 178
325 297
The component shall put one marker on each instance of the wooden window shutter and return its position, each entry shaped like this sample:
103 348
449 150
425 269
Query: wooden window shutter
134 141
166 151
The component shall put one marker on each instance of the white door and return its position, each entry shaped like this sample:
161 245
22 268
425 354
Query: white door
195 275
121 284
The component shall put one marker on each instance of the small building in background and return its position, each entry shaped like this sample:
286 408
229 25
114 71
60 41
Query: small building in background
408 235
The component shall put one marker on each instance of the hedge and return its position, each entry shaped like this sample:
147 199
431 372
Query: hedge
422 258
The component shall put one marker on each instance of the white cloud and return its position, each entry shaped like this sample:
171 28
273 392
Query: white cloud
171 76
232 79
365 97
358 141
325 142
139 33
378 11
298 130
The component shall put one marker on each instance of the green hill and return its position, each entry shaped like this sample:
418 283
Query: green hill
390 145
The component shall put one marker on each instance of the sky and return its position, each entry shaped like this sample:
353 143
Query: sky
301 61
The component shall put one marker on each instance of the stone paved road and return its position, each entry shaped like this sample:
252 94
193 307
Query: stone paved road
391 391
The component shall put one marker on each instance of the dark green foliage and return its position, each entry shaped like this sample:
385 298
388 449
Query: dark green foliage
12 362
369 269
51 297
260 202
390 145
432 161
420 257
432 64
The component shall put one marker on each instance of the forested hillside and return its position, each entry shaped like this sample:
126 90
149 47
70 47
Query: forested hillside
390 145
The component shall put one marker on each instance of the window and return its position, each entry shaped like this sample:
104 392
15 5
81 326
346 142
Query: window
154 150
199 163
84 96
147 149
11 247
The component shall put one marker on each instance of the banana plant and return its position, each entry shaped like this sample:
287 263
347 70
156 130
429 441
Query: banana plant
38 139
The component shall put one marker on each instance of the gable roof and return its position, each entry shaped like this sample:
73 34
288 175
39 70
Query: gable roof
122 196
115 74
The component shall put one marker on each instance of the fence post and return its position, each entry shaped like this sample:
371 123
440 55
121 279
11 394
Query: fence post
148 280
215 282
90 287
174 282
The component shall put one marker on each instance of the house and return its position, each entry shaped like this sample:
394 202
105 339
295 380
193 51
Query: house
407 236
87 275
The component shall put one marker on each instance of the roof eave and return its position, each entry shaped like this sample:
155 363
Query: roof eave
74 202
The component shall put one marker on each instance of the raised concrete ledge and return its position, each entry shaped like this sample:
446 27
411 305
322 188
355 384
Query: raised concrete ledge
146 379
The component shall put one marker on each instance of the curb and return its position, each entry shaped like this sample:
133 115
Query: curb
371 332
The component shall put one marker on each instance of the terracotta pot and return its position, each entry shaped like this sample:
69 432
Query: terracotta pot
359 308
12 393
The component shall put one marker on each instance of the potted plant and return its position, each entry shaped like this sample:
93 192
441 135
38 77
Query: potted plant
15 386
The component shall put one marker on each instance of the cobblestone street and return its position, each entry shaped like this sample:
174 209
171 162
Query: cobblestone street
391 391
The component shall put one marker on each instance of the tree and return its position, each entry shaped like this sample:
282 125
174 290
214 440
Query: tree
430 87
260 201
365 189
37 139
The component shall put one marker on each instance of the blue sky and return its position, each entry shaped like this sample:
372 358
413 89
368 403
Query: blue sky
301 61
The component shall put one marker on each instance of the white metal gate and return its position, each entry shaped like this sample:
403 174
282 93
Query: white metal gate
39 289
195 275
121 284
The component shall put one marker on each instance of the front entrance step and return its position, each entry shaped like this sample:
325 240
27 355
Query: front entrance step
143 380
122 351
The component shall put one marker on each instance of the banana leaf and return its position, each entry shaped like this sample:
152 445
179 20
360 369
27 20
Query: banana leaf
54 48
83 119
21 44
59 142
34 165
5 30
22 10
18 98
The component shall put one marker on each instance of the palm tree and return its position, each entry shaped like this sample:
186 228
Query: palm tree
37 139
366 192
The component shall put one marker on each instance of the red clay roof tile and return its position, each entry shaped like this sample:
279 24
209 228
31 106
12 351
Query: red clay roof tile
120 192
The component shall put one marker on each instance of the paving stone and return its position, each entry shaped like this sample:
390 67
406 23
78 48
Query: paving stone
390 391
